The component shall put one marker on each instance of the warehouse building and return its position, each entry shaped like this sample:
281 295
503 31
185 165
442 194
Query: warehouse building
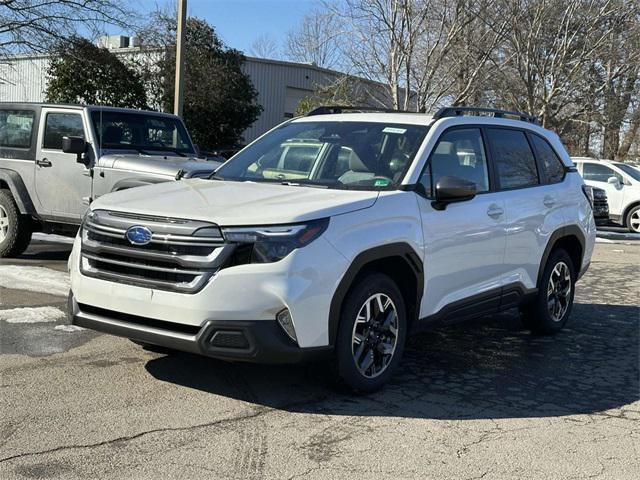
280 85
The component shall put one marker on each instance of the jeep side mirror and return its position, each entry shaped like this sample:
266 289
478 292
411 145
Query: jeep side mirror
78 146
451 190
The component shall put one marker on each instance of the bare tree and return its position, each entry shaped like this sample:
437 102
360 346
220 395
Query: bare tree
265 46
315 40
34 25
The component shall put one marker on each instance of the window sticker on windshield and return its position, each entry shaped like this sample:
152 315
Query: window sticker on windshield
381 182
399 131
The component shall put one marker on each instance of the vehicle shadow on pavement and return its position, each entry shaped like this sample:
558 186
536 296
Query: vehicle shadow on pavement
488 369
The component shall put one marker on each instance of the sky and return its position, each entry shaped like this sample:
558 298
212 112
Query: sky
240 22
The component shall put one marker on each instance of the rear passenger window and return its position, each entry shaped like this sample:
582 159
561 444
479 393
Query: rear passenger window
552 165
459 153
60 125
513 157
16 127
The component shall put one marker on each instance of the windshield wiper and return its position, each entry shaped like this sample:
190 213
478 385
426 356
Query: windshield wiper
213 176
140 151
298 184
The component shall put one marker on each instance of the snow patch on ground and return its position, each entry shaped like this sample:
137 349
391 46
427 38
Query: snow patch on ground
68 328
51 238
35 279
31 315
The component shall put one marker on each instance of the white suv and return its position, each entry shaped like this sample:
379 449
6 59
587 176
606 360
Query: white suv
338 234
621 181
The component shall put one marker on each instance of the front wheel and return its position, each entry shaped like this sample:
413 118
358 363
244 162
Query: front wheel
372 333
549 312
633 219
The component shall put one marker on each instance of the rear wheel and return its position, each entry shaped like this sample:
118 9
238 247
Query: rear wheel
549 312
371 334
15 229
633 219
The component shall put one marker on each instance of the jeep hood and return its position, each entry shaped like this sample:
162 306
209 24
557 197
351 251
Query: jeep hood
167 164
236 203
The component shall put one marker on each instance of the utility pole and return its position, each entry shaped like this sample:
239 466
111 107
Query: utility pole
178 101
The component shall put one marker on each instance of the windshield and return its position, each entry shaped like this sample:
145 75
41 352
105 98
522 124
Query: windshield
360 155
141 132
629 170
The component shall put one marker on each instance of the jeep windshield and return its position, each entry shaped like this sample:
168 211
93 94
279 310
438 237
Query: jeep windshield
358 155
143 133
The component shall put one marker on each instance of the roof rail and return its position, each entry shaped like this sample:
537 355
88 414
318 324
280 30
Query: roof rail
329 109
459 111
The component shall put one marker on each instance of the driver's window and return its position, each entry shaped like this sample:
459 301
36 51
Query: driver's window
599 173
58 125
458 153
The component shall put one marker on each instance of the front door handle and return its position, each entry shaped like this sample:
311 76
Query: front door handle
43 163
549 202
495 211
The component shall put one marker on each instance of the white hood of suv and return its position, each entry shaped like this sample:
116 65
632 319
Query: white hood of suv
236 203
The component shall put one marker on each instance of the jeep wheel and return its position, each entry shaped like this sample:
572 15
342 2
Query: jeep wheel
15 229
633 219
372 333
549 312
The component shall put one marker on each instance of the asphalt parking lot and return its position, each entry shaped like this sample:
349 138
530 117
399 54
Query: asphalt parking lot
479 400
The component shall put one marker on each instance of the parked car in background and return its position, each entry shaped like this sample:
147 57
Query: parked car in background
600 206
621 181
337 235
56 159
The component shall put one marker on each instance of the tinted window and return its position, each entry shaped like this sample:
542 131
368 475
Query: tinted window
60 125
597 172
16 127
553 166
629 170
513 157
140 131
345 154
459 153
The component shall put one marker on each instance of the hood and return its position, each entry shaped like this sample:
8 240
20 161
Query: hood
236 203
168 165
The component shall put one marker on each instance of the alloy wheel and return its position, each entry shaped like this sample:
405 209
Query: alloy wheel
375 335
559 291
4 223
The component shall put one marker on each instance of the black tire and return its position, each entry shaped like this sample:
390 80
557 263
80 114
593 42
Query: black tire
632 219
17 229
549 311
347 371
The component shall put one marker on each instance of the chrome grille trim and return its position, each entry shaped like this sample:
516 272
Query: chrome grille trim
175 259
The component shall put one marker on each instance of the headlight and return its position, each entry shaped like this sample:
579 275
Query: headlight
274 242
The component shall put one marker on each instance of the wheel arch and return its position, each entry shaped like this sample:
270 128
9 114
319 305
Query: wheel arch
572 239
399 261
11 180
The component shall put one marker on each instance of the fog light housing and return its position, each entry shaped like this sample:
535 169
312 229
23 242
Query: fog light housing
286 323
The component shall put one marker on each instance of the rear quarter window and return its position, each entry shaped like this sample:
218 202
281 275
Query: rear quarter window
551 164
16 128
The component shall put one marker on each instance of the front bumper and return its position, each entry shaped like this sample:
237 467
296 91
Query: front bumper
259 341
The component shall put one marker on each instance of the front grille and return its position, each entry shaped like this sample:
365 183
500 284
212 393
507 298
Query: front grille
176 258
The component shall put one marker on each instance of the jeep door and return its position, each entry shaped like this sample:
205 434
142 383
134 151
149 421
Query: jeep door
464 244
63 186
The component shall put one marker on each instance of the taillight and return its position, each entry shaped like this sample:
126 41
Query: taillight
588 192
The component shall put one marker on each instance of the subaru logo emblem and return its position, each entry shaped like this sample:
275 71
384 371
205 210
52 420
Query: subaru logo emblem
139 235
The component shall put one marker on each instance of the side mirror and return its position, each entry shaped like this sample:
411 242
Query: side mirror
196 149
78 146
451 190
614 181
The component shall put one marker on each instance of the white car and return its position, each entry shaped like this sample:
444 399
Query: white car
339 234
621 181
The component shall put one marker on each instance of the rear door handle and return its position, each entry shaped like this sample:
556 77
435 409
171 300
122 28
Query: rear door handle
549 202
43 163
495 211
